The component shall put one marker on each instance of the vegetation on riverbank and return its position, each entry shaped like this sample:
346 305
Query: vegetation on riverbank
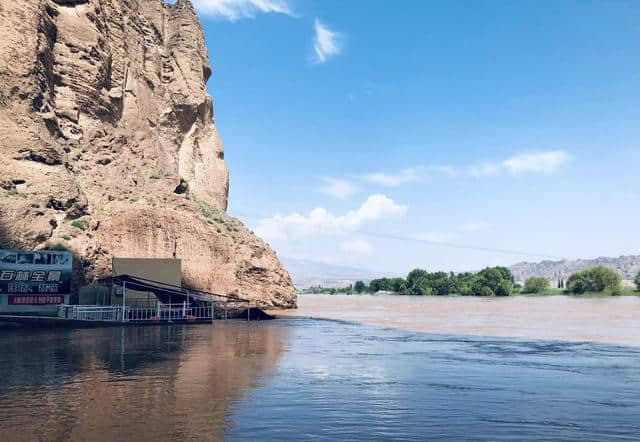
492 281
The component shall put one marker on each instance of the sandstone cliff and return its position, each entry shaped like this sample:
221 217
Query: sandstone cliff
109 146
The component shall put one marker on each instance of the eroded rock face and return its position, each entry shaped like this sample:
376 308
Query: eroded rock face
109 145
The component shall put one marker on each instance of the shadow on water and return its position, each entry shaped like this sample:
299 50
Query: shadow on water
142 383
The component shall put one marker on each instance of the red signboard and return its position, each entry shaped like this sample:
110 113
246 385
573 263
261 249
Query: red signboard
35 300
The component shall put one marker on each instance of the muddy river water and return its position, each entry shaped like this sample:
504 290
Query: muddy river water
613 320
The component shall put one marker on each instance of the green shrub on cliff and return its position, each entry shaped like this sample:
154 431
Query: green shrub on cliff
81 224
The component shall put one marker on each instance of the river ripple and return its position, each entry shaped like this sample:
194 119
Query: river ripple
306 379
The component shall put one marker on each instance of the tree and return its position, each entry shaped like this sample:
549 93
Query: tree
637 281
379 285
535 284
595 279
360 287
577 283
505 288
443 286
414 275
493 278
399 286
421 287
484 291
506 274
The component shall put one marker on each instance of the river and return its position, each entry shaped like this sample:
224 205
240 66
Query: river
317 379
613 320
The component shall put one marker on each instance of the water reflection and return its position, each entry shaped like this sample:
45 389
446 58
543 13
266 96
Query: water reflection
146 383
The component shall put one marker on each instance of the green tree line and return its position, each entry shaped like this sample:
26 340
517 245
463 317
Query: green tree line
492 281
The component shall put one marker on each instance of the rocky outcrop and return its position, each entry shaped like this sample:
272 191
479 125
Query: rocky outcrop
109 145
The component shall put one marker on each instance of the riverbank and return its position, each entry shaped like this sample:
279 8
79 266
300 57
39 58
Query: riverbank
624 291
612 320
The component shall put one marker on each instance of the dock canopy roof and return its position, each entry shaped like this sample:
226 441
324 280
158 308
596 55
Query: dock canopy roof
167 293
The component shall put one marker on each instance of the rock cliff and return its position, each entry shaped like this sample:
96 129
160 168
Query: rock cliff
627 266
109 146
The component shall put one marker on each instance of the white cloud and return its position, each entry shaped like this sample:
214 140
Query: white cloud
437 237
357 246
326 43
449 171
322 222
338 188
484 169
233 10
544 162
409 175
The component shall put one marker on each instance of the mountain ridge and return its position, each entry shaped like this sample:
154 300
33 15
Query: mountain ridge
627 266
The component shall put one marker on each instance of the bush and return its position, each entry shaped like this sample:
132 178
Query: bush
617 290
209 211
535 284
360 287
595 279
81 224
637 281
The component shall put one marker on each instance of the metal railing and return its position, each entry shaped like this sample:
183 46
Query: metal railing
90 313
162 313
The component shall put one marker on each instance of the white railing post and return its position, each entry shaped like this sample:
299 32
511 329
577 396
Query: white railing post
124 297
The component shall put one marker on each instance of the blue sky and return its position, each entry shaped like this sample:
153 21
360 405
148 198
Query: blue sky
505 125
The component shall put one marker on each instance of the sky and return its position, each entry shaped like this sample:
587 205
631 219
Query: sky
435 134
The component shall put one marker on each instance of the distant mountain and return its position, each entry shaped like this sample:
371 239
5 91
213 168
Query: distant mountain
307 273
626 266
